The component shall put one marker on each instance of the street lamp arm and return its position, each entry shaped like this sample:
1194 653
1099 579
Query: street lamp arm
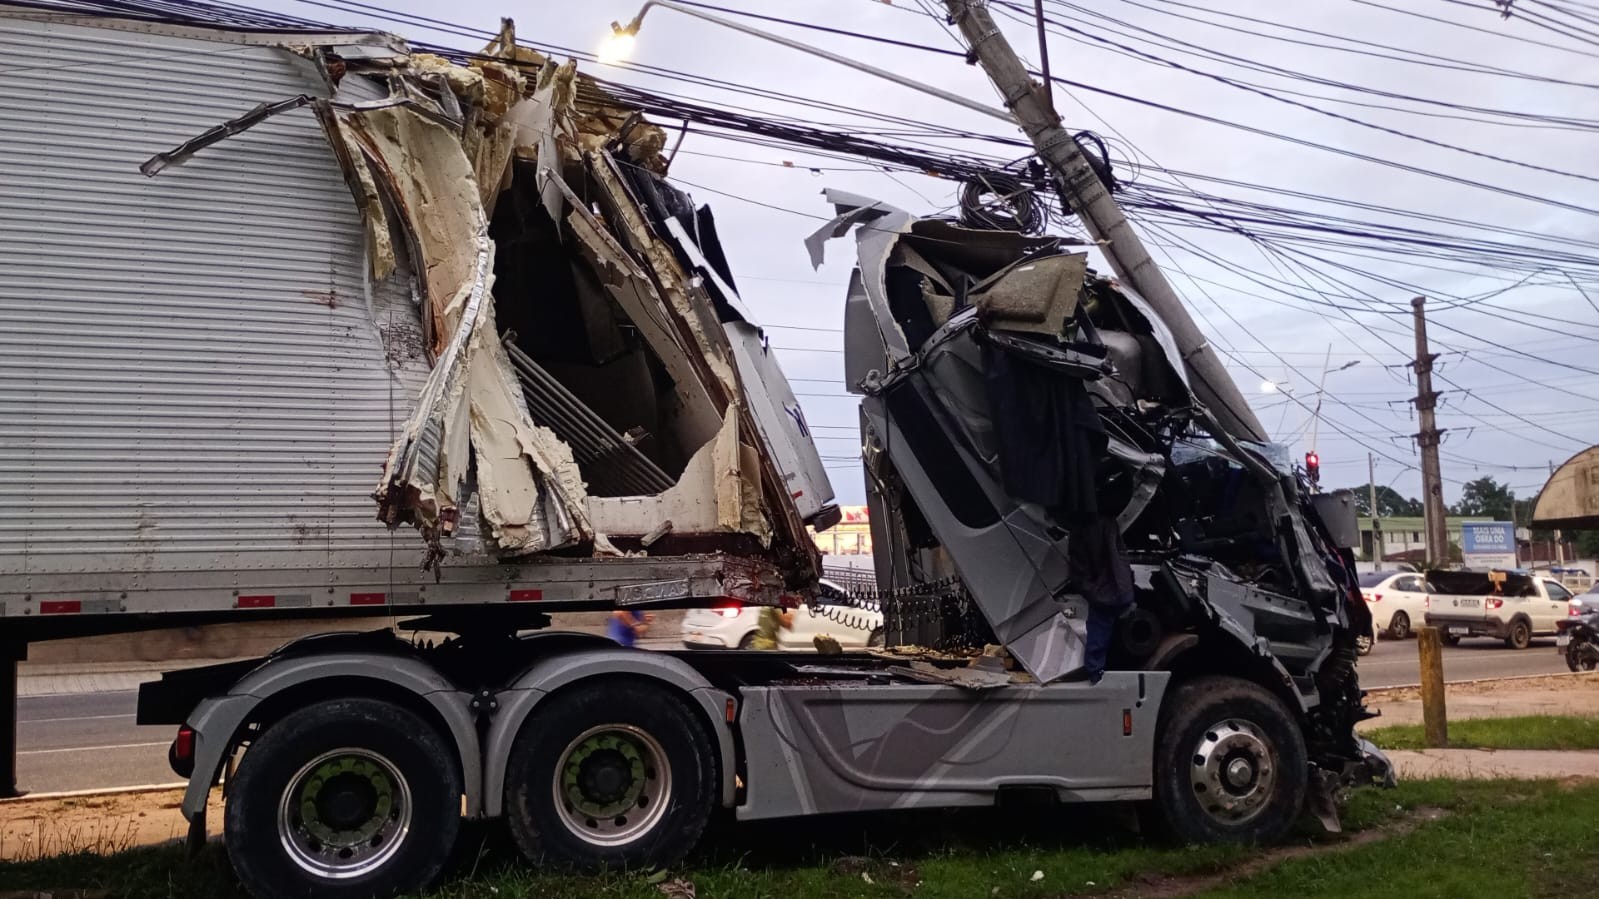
633 26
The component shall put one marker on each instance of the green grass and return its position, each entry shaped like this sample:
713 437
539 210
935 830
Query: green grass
1537 839
1526 732
1491 842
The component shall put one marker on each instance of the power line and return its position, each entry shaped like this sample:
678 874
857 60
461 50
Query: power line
1422 58
1271 95
1498 34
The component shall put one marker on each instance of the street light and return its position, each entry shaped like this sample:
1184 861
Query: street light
619 43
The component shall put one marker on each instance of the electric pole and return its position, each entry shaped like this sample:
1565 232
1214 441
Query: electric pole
1432 487
1560 549
1376 516
1088 197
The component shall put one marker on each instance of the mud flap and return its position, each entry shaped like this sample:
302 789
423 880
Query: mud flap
195 841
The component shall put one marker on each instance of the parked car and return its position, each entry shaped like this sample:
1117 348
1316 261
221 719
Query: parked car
732 626
1585 602
1397 599
1468 604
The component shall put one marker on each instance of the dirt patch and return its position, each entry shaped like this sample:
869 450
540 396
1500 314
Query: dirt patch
102 824
1560 682
1173 886
1564 694
882 871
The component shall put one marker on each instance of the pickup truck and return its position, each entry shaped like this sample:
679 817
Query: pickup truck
1475 604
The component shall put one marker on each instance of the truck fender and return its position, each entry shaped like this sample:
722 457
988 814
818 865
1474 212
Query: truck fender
522 695
1172 646
218 721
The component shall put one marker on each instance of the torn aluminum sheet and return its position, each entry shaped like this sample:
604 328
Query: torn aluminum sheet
531 496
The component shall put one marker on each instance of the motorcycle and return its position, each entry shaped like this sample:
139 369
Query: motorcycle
1578 638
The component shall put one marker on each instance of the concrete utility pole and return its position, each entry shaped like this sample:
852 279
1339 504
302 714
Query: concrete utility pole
1088 197
1560 549
1376 516
1432 486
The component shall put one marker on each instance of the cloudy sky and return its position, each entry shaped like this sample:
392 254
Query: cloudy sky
1513 402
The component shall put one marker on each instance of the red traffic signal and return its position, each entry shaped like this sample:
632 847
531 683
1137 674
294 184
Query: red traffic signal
1313 467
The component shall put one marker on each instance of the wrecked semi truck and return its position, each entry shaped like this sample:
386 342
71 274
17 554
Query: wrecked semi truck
237 290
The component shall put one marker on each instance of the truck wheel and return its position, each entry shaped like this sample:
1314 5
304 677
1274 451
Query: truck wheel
1399 626
610 775
344 799
1520 636
1230 764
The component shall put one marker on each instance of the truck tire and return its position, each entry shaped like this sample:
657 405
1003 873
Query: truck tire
614 775
1230 765
1520 635
344 799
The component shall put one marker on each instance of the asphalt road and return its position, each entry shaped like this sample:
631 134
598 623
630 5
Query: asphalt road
79 741
1394 663
86 741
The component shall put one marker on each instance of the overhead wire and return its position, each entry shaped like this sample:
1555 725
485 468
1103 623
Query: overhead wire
1420 57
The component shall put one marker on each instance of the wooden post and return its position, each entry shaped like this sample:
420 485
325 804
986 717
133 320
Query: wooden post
1435 721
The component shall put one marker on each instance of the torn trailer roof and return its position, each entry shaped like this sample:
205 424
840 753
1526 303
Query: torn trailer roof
596 377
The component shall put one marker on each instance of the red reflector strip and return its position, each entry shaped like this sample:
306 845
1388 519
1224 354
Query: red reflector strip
526 595
257 602
60 607
366 599
1127 722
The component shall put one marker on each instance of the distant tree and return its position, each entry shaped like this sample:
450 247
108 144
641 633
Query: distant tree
1588 545
1485 497
1390 503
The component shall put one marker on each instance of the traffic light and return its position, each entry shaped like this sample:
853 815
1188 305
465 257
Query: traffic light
1313 468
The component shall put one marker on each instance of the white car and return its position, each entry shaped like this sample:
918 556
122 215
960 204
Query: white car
732 626
1397 599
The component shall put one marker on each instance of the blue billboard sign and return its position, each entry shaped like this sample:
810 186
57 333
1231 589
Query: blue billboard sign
1488 538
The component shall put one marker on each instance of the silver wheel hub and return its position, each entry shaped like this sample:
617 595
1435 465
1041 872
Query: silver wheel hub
612 784
344 814
1233 772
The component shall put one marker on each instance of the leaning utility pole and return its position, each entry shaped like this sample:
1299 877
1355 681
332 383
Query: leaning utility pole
1432 486
1376 517
1088 197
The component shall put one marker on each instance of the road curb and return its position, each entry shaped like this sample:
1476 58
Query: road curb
1487 680
99 791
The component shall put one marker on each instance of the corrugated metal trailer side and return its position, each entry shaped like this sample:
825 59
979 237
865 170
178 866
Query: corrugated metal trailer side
198 381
